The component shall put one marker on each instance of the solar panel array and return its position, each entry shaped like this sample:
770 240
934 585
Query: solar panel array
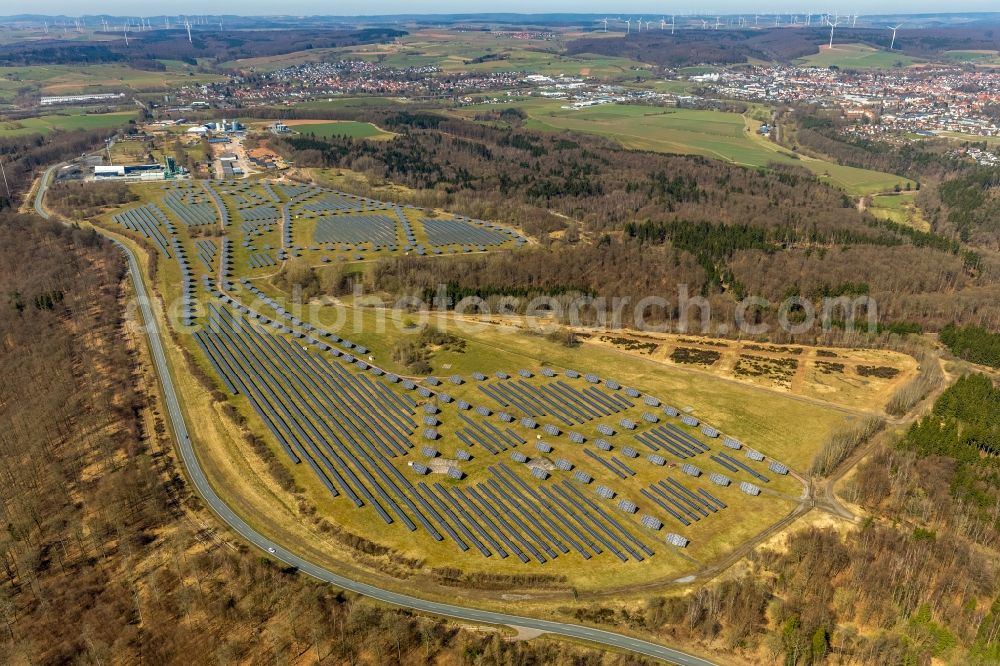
206 252
333 202
266 214
380 230
147 221
356 426
261 260
191 208
443 231
557 399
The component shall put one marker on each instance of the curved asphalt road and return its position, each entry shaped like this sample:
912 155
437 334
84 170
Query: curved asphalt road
204 488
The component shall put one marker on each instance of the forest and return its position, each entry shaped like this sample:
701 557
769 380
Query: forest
644 222
174 45
972 343
24 157
698 47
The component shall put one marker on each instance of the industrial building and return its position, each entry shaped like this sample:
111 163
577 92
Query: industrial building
140 172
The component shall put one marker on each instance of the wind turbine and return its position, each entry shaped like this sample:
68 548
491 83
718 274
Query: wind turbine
187 24
605 25
639 25
663 23
125 32
855 22
717 24
894 29
628 26
833 24
671 24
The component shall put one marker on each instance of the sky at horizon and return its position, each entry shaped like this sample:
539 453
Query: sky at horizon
377 7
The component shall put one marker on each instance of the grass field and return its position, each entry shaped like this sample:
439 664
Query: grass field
273 62
856 56
899 208
351 103
70 121
718 134
349 128
465 52
84 79
980 58
469 52
972 138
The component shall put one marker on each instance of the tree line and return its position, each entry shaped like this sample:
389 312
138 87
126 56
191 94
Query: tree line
726 231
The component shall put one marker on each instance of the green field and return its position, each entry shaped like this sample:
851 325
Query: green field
855 56
988 58
718 134
70 121
349 128
351 103
971 138
465 58
899 208
85 79
468 52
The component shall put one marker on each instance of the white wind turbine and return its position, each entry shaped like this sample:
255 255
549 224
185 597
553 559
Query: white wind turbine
671 24
628 26
125 32
605 21
833 24
187 24
639 25
894 29
717 23
663 23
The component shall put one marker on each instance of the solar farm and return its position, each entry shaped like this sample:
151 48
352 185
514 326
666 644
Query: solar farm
508 470
271 222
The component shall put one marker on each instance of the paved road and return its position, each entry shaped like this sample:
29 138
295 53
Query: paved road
204 488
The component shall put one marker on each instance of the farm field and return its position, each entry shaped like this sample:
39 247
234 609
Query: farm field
349 128
856 56
84 79
978 58
717 134
273 62
483 52
501 490
64 121
351 103
971 138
